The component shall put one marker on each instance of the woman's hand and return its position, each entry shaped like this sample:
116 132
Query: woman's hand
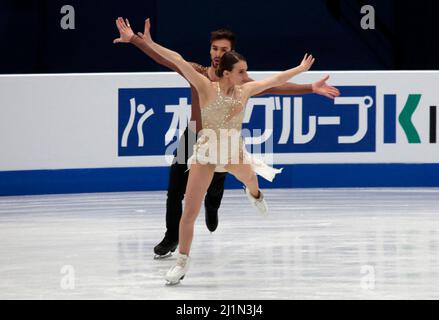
307 62
125 31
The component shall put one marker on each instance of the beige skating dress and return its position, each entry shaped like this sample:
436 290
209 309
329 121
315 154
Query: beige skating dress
220 141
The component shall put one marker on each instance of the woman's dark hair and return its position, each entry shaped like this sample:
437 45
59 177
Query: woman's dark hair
227 62
223 34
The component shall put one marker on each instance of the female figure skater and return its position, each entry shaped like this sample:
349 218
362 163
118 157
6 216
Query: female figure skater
222 110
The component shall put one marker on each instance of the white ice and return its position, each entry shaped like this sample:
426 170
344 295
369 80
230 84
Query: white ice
315 244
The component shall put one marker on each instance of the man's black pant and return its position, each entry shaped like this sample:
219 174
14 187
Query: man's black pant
178 176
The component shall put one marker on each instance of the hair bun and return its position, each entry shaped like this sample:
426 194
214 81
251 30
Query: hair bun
227 61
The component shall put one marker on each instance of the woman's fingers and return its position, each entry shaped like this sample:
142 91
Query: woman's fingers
122 23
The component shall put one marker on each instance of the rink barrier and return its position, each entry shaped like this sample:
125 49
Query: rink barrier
109 132
155 178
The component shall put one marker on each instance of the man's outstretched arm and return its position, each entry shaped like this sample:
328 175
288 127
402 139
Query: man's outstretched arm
318 87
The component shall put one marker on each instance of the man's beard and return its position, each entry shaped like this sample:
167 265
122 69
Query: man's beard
215 64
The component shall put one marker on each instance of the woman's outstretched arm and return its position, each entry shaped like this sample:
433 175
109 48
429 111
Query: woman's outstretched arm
256 87
126 35
200 82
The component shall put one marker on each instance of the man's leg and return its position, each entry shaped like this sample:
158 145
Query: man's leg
213 198
178 176
176 189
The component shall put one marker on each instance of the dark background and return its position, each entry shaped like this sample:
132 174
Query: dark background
272 34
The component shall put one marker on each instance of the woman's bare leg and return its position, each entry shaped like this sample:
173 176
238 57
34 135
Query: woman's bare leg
200 176
245 174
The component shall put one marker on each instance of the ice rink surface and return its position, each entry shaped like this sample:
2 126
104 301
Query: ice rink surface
315 244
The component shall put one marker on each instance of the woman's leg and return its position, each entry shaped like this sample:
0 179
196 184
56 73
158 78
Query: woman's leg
200 176
245 174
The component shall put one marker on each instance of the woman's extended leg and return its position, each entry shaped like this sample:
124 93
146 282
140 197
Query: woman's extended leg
245 174
200 176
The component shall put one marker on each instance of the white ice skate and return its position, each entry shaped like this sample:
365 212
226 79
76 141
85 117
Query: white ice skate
258 203
177 272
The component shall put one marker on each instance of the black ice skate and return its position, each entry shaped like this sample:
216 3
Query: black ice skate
211 219
165 248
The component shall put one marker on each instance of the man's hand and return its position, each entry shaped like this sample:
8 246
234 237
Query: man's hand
125 31
146 35
320 87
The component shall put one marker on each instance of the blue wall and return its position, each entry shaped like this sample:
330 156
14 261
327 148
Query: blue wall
142 179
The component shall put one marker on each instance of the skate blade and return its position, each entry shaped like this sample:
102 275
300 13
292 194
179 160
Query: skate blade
173 283
159 257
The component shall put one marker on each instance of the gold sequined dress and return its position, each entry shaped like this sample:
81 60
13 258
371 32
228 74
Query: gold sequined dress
220 141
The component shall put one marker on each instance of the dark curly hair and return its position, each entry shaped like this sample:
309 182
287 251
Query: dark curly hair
223 34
